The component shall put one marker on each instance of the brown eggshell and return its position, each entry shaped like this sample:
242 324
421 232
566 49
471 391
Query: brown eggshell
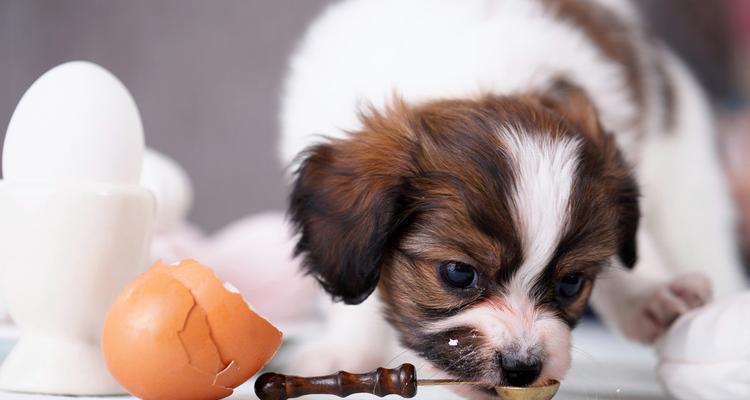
176 333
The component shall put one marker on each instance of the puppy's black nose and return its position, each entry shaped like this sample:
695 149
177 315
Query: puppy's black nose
518 373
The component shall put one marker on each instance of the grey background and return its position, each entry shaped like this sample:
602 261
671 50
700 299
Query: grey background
206 76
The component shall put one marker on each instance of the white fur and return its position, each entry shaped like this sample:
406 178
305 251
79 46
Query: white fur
363 51
545 170
688 217
686 202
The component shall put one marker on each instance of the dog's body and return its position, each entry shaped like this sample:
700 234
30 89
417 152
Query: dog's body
618 112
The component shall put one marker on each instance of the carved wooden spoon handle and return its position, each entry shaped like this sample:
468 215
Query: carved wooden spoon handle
380 382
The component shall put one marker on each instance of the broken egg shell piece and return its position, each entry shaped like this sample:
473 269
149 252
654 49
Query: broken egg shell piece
176 333
247 330
149 333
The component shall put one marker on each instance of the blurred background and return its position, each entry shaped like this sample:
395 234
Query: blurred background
207 77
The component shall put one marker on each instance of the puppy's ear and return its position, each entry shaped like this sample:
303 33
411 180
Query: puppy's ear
629 218
573 104
346 206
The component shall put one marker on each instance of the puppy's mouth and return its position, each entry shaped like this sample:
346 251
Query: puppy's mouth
463 354
488 390
457 352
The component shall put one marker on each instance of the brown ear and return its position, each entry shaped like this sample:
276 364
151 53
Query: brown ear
572 103
629 219
346 206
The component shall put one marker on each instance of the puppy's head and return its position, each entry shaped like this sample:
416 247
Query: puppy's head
484 223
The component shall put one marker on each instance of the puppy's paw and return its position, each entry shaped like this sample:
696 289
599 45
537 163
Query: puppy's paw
655 312
328 356
693 289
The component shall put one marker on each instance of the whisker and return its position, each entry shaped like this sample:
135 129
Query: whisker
395 358
588 377
471 352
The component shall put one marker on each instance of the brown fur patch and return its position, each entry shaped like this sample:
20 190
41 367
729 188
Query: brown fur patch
573 104
610 35
602 174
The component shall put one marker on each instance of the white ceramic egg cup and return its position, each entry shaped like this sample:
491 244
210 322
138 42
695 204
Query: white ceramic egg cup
66 250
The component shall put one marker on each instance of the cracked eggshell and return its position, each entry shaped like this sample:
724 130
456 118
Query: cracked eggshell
176 333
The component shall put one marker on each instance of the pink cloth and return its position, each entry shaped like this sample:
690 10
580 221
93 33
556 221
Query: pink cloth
253 254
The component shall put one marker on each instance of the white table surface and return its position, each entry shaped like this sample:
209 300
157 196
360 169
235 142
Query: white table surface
604 367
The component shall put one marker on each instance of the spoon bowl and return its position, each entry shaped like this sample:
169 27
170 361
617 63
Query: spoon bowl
528 393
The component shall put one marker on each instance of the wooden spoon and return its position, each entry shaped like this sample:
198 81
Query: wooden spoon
401 381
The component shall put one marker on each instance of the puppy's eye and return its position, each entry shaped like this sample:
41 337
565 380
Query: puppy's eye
569 286
458 275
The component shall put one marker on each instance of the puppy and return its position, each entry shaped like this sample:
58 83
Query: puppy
491 165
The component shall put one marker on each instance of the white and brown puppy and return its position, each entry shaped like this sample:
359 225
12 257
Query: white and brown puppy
489 165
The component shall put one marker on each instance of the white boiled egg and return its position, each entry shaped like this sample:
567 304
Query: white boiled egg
76 123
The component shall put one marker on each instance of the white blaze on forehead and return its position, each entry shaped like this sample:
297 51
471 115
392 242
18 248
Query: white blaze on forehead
545 169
